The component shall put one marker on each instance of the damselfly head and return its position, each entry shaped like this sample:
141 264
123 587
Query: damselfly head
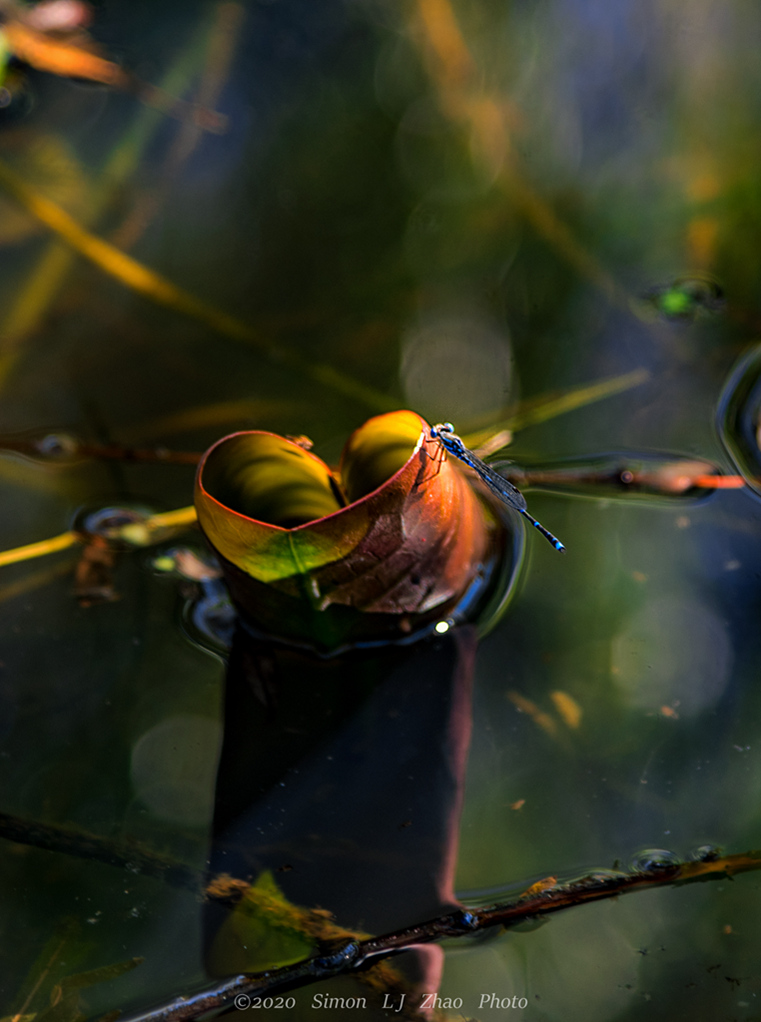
442 427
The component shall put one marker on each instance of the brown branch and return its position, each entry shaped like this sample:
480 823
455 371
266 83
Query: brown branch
84 845
353 956
63 448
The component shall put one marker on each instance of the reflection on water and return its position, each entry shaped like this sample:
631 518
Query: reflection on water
172 768
673 652
464 203
456 368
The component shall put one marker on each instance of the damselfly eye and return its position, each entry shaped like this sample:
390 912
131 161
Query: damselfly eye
442 427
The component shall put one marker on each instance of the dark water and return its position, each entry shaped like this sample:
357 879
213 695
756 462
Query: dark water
458 234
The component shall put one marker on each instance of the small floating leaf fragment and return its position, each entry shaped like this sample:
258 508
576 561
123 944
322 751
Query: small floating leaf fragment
67 50
539 717
71 57
191 566
540 887
567 707
135 527
304 442
187 564
93 575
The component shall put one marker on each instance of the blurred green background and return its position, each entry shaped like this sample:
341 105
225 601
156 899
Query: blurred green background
459 206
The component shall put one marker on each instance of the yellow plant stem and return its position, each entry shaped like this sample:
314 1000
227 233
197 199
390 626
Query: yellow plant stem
144 530
549 406
172 519
41 549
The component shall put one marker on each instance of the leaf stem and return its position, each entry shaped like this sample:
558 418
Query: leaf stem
40 549
165 520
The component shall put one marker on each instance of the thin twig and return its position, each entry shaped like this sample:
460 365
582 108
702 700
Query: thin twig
119 452
625 476
720 482
84 845
63 448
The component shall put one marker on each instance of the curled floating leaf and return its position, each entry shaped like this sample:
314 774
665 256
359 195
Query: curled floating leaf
390 542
